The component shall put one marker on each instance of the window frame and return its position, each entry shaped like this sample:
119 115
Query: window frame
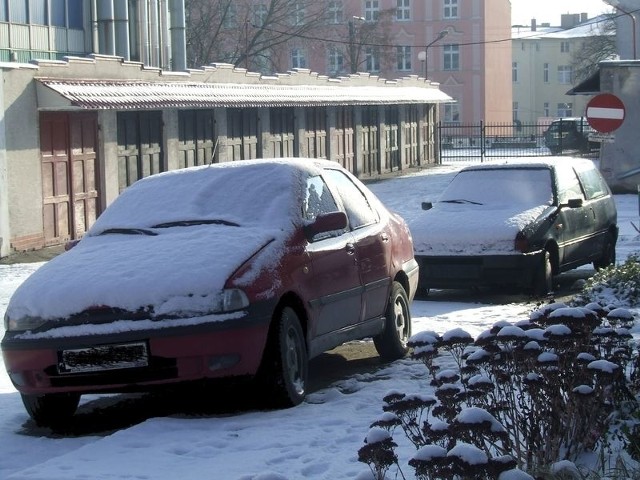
450 9
403 10
451 57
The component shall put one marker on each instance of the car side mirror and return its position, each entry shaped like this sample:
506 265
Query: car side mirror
326 223
574 203
427 205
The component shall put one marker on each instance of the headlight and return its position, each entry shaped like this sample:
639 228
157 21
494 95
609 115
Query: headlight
22 324
233 299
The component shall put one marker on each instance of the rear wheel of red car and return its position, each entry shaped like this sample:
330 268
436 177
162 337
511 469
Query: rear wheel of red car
51 409
391 344
608 256
285 367
543 277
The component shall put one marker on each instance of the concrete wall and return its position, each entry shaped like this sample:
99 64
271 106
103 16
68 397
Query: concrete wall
620 159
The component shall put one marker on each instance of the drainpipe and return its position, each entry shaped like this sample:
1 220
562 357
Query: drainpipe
107 42
178 36
94 27
143 28
154 54
121 16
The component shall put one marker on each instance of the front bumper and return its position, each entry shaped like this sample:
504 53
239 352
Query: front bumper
478 271
173 355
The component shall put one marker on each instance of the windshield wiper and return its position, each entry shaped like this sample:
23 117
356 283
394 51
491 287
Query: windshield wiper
128 231
188 223
460 200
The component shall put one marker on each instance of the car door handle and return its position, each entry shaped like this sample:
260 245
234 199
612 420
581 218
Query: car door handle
350 248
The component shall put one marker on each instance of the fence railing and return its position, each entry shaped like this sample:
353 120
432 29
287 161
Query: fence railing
487 141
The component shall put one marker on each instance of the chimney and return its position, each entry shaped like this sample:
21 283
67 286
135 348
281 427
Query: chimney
534 25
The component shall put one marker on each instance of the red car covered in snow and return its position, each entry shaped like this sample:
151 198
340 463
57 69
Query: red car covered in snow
244 269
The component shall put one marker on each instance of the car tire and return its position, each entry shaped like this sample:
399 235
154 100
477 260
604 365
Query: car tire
608 256
51 409
285 367
391 344
543 277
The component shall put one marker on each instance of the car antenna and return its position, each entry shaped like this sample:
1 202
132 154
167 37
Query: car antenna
213 154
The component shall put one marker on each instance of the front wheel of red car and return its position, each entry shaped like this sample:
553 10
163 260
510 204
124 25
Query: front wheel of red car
285 366
51 409
391 344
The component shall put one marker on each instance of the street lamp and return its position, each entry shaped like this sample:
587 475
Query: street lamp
423 55
616 4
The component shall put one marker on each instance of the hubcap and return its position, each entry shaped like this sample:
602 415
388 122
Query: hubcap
293 358
400 315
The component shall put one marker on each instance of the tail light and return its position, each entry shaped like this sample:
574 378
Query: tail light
521 243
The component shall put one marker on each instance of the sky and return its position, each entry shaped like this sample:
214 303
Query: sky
550 11
318 440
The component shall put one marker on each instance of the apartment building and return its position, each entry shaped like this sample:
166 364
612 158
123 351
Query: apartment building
542 70
462 45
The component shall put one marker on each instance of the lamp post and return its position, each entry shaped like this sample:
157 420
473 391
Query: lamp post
423 55
616 4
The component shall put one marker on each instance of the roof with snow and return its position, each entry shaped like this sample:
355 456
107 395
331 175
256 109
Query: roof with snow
106 94
592 27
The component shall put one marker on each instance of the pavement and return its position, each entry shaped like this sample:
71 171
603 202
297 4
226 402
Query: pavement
41 255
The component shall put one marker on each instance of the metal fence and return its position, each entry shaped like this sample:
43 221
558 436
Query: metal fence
490 141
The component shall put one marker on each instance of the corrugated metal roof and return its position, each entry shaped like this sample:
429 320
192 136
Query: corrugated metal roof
122 95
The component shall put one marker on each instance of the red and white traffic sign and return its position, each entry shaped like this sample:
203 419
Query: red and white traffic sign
605 112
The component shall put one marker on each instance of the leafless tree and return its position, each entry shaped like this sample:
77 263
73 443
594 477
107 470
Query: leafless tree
247 33
595 49
253 34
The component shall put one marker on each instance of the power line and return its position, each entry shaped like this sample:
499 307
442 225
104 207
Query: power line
593 21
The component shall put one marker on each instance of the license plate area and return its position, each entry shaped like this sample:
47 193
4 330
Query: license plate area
103 358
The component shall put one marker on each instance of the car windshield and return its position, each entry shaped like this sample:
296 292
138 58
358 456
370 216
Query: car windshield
221 195
527 187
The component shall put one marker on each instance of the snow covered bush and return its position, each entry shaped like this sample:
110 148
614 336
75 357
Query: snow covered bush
621 282
522 397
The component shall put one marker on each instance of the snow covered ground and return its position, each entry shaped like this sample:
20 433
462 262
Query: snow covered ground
316 440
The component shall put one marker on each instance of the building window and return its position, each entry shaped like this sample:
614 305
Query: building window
515 111
451 57
298 13
260 13
514 72
451 113
403 10
565 47
565 72
372 59
336 60
371 10
229 19
298 59
522 46
546 111
545 73
336 14
565 110
403 55
450 9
